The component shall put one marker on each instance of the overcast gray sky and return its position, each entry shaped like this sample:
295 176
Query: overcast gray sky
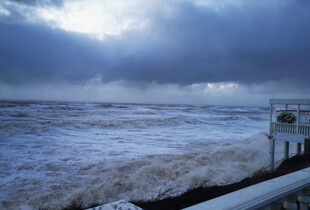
186 51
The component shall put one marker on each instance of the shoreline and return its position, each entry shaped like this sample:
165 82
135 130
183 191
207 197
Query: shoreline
201 194
130 179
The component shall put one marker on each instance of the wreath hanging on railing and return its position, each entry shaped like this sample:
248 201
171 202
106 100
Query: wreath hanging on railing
286 117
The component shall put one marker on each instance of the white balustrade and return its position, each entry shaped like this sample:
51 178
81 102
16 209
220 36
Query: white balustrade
304 198
290 202
272 194
276 205
290 128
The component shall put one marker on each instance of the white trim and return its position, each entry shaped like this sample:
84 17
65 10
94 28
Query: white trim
290 101
259 195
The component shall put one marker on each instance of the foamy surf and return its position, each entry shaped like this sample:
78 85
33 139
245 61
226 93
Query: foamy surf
141 178
52 153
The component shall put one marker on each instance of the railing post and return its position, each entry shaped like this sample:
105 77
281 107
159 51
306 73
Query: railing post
276 205
304 198
286 150
298 148
290 202
307 146
298 119
271 152
271 141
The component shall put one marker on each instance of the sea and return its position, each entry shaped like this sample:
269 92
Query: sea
54 153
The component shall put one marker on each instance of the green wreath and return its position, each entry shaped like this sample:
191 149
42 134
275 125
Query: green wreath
286 117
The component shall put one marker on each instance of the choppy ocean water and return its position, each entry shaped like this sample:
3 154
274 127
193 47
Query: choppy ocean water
54 152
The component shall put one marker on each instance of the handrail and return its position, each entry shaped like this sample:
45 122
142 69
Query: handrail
290 128
269 193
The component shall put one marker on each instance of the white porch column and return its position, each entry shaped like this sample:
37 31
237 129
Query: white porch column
298 148
271 141
287 143
286 150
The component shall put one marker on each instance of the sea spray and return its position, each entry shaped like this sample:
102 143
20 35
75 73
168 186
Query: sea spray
146 177
52 153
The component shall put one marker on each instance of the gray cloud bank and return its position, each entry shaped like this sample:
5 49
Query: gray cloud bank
252 43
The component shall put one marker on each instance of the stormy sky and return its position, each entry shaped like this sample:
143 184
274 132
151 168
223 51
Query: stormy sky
232 52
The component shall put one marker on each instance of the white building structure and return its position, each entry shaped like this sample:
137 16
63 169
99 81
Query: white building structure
289 122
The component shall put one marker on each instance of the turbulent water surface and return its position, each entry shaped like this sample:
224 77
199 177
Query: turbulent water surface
54 152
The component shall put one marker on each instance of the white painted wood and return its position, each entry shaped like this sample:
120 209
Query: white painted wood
304 198
276 205
289 137
259 195
298 119
271 141
271 152
298 148
287 132
284 128
271 111
290 202
290 101
286 150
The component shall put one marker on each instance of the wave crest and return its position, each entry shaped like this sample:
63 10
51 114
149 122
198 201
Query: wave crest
144 178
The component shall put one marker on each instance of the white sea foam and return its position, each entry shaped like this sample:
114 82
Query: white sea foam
54 152
140 178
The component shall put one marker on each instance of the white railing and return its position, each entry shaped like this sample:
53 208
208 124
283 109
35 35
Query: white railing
290 128
304 130
283 128
272 194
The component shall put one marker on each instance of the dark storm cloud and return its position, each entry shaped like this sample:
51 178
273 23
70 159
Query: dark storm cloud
40 54
248 43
